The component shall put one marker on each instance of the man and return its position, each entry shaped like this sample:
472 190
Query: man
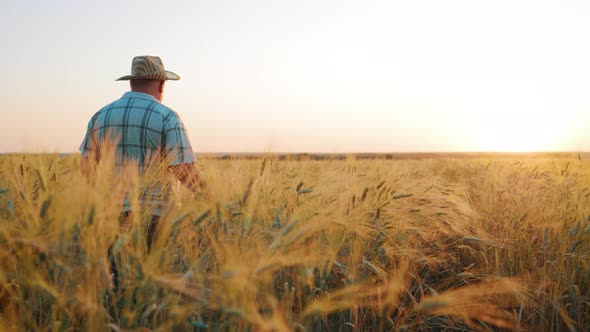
141 132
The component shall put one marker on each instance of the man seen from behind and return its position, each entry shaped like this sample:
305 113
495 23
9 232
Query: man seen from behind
141 130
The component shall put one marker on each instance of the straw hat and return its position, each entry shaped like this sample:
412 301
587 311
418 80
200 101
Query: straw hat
148 67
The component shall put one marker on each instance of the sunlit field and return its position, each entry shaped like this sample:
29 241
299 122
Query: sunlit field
430 244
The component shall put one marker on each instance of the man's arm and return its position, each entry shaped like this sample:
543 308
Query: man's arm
88 149
190 176
180 155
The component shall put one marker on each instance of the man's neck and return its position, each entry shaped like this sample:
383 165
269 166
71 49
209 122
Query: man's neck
151 93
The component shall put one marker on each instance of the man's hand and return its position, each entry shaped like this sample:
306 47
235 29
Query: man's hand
190 176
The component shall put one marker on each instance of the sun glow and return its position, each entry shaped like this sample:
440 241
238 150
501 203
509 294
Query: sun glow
520 131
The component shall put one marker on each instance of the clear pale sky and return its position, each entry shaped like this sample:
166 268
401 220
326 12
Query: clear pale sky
308 76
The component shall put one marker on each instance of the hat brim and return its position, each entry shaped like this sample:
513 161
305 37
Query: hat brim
163 76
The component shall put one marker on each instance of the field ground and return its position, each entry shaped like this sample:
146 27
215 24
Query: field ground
428 243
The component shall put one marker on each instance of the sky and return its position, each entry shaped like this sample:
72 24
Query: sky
308 76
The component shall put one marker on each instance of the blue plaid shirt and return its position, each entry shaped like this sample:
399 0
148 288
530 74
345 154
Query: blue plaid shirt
140 128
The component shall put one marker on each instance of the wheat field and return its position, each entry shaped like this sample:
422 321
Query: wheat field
482 244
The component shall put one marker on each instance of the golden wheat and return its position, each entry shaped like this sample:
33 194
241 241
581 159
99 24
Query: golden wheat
275 244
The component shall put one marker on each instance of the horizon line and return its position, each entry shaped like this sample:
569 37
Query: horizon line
336 153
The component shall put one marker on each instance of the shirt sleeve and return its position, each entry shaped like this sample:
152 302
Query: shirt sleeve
88 142
178 147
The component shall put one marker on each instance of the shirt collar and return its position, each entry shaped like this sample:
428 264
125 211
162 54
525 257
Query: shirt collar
140 95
